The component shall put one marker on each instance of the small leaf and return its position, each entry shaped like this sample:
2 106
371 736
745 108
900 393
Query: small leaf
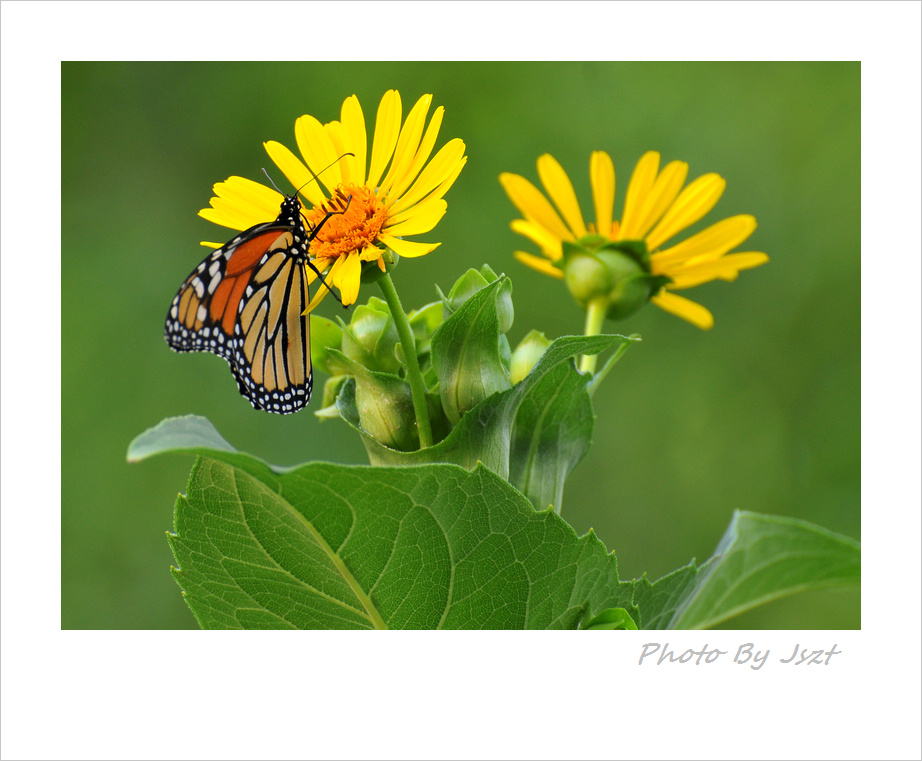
760 558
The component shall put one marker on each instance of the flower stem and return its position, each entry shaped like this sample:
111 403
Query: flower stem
595 316
414 376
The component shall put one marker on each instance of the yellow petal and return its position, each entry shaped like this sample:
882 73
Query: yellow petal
315 301
420 219
294 170
602 179
371 254
443 164
691 205
387 128
406 248
422 155
355 140
323 264
348 278
334 130
539 264
533 205
661 196
685 308
550 246
318 150
560 189
407 143
638 188
725 268
713 241
443 187
240 203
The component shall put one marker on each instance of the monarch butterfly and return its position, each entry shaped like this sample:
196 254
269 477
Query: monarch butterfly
244 303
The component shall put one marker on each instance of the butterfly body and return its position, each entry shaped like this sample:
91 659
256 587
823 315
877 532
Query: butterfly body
244 303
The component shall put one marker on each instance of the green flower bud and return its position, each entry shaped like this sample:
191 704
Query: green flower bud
423 323
465 286
324 335
385 406
526 355
473 281
426 319
587 277
617 273
371 336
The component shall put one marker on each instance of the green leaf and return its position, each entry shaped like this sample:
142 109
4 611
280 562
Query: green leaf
485 434
335 546
760 558
613 618
193 434
466 355
551 434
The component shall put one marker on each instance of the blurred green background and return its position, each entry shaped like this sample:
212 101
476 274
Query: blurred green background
762 413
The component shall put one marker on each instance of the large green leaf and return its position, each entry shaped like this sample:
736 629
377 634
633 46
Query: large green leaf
760 558
333 546
556 419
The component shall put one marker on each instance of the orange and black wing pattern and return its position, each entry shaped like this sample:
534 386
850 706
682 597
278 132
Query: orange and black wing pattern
244 303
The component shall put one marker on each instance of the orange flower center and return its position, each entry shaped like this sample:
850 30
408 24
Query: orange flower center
357 219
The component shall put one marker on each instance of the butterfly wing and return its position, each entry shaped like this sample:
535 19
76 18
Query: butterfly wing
244 303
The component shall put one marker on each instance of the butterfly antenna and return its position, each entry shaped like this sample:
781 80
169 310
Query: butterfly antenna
268 177
315 177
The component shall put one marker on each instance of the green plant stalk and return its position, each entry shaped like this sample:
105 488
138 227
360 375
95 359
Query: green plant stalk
595 316
414 376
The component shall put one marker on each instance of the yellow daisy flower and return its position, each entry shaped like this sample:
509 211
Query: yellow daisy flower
656 208
398 194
